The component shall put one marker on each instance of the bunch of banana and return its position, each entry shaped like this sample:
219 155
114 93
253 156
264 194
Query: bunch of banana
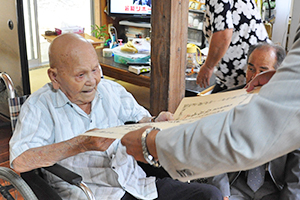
128 47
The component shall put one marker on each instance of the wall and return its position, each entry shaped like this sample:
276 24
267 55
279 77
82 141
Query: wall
294 22
280 27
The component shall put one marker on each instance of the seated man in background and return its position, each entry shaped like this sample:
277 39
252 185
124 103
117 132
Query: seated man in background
280 178
53 118
262 57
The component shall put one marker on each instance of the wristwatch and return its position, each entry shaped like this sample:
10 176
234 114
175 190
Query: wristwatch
148 157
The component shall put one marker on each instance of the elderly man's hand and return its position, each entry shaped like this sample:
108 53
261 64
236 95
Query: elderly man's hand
204 76
133 143
164 116
260 80
93 143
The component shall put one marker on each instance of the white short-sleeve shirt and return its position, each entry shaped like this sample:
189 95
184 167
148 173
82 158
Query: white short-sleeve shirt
49 117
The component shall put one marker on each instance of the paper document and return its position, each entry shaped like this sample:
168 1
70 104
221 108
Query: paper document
201 106
189 110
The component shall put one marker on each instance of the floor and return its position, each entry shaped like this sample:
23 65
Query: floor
38 77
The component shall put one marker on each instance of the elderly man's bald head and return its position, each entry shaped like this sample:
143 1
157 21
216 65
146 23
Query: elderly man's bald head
74 69
67 47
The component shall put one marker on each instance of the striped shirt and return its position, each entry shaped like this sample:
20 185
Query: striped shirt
49 117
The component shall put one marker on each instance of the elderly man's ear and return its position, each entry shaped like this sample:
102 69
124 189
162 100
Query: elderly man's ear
52 73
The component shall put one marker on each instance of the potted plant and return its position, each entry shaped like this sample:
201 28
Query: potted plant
100 32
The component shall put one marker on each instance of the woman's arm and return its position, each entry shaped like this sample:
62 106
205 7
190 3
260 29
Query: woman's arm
219 44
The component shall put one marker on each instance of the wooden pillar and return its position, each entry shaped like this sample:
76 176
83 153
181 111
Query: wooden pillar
101 18
97 12
168 53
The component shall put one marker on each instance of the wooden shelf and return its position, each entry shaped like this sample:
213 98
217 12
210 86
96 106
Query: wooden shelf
120 71
197 11
95 41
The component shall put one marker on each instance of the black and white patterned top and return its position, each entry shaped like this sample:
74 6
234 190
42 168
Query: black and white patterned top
243 17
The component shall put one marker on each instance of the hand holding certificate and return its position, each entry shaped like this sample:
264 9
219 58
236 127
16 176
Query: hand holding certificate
189 110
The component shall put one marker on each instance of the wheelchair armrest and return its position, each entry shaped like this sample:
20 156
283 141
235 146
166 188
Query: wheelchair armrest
71 178
44 191
39 186
64 174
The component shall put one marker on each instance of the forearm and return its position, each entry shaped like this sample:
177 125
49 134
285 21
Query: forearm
50 154
218 46
212 145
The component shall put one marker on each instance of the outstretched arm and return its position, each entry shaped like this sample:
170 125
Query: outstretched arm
242 138
50 154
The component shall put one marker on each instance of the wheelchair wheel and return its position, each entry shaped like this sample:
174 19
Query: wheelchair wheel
13 187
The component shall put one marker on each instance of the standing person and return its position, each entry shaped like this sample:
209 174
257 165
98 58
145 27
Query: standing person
245 137
52 119
230 27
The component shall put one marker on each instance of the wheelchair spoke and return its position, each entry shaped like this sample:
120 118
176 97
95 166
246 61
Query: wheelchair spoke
4 190
13 187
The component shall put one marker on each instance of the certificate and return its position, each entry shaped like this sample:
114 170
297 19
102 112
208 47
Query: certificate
189 110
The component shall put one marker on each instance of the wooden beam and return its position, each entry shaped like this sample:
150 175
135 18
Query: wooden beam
101 16
97 12
168 53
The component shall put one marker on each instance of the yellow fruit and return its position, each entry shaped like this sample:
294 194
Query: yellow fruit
128 47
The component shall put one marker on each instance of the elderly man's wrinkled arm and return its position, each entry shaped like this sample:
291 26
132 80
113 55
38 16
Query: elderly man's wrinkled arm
50 154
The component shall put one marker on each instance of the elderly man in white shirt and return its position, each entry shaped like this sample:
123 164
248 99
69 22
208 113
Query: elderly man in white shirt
52 120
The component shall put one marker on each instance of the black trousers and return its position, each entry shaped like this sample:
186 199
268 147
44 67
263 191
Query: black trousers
169 189
158 172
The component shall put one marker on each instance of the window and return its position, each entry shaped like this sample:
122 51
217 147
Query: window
43 15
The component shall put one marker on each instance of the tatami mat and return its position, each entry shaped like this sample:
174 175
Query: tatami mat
39 77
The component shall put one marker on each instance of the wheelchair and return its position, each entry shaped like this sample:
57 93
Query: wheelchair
31 185
12 186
